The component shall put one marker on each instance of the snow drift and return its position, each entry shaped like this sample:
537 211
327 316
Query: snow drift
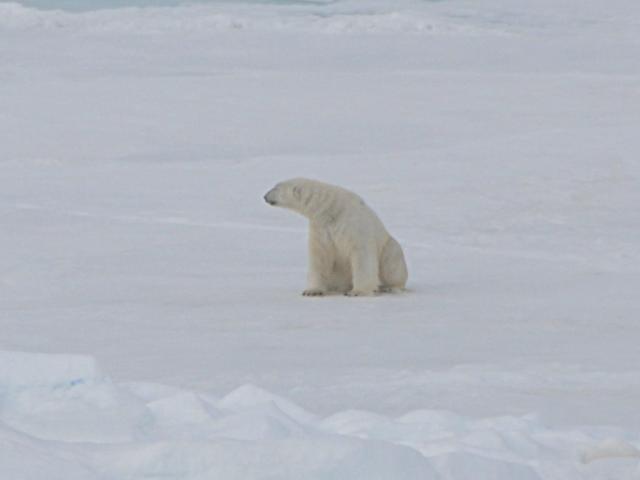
60 415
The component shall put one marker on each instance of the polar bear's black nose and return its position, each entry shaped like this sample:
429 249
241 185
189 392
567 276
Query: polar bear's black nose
270 202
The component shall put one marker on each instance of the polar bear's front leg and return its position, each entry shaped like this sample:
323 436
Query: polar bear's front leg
364 265
321 259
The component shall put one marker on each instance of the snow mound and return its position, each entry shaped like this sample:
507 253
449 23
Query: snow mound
59 414
66 398
28 370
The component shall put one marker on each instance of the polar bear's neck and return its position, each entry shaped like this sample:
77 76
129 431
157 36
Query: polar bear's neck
324 205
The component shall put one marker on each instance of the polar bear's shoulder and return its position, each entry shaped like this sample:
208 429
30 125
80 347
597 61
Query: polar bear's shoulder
326 188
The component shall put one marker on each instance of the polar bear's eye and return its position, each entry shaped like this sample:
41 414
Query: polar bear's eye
296 192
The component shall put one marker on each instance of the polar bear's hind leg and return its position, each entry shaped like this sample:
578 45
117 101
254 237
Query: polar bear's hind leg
393 269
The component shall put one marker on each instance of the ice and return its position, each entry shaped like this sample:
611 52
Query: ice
64 397
497 140
183 408
325 19
184 435
253 434
25 457
19 371
461 466
249 396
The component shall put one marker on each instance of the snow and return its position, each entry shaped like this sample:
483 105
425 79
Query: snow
152 323
251 433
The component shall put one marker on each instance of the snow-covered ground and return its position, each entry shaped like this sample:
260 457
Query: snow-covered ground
151 321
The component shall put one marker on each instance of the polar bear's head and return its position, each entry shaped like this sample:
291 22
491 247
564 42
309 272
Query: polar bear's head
311 198
297 194
287 194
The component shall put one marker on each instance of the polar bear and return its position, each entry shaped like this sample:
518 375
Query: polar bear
350 250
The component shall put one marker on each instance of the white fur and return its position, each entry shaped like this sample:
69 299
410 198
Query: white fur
350 251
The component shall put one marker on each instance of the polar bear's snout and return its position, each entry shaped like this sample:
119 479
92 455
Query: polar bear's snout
269 197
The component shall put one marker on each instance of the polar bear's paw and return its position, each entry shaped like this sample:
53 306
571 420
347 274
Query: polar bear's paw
385 289
388 289
359 293
313 292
